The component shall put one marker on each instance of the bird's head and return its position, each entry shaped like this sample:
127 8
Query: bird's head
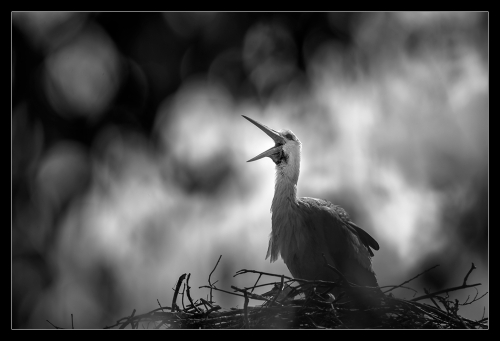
285 153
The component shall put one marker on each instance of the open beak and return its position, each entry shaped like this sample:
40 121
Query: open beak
280 141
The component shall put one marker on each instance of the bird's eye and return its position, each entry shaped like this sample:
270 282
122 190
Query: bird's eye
289 136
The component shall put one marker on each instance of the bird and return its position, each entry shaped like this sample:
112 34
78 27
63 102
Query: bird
306 231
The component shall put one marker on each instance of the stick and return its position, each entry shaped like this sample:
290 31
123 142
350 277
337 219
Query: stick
279 290
128 320
211 297
468 273
189 295
176 292
408 281
245 309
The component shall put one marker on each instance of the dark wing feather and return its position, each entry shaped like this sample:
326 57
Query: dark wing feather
365 238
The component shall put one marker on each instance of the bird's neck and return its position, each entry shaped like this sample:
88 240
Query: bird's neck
283 221
285 190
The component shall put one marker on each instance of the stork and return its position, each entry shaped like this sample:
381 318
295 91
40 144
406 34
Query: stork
303 229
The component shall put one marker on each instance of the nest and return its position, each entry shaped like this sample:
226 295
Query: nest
302 304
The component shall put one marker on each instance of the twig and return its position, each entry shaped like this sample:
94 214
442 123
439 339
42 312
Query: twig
280 289
431 311
189 295
444 291
244 271
483 320
176 292
294 291
408 281
54 325
475 298
182 295
432 299
157 300
468 273
221 290
290 279
255 285
399 286
128 321
462 321
250 295
245 310
204 304
211 297
444 302
268 284
212 308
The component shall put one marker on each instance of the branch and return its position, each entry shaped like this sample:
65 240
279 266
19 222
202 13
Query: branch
157 300
290 279
257 281
250 295
474 299
210 283
463 286
399 286
128 320
432 299
468 273
54 325
178 286
408 281
189 295
244 271
245 309
279 290
221 290
444 291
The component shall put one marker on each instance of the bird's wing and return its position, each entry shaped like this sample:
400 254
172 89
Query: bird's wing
365 238
347 247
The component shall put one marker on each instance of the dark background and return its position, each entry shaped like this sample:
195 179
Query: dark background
128 149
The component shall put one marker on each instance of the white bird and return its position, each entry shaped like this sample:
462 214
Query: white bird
303 229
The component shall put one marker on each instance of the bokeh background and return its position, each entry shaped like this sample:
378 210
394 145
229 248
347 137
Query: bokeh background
128 150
